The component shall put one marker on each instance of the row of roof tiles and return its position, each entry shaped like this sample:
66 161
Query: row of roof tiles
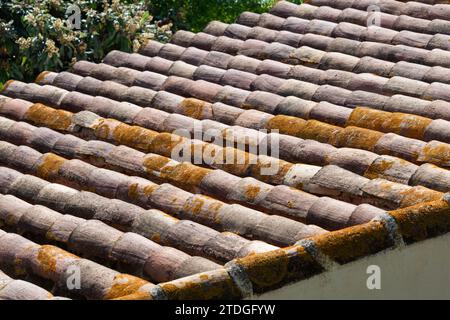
212 71
239 278
418 127
197 109
372 165
52 263
129 252
352 81
370 140
151 224
290 31
354 137
276 102
325 41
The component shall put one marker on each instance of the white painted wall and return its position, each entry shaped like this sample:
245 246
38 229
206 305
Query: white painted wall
418 271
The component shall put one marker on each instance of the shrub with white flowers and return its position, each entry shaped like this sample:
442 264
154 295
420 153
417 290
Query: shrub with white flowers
35 34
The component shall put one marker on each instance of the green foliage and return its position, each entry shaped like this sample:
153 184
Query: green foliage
194 15
35 36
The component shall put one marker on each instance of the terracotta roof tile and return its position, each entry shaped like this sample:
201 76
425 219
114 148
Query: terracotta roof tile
13 289
102 157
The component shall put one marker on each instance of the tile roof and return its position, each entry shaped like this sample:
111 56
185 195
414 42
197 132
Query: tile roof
394 15
12 289
100 161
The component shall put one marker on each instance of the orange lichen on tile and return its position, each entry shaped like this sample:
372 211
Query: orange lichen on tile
124 285
419 194
251 192
423 220
163 143
378 169
155 162
408 125
438 154
134 136
355 242
234 161
148 190
49 165
387 186
52 118
205 286
156 238
197 207
287 125
133 190
266 269
368 118
213 211
358 138
215 208
48 257
319 131
193 108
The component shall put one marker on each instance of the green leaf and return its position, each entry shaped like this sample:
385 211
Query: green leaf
145 18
